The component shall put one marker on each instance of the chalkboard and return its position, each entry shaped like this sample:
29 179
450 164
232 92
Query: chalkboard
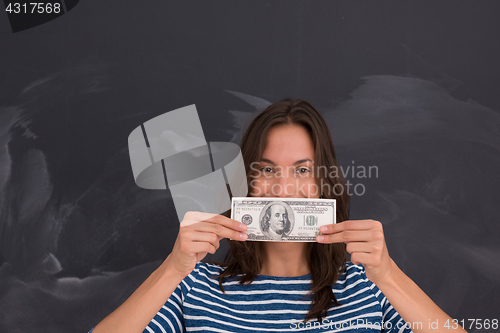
408 88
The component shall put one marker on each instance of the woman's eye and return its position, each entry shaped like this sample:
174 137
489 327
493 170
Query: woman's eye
302 170
266 169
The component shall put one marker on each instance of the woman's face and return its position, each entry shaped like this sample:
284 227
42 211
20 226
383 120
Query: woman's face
286 167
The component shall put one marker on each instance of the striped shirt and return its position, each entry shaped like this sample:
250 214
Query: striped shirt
273 304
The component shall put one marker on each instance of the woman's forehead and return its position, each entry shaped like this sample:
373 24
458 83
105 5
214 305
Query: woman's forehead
288 143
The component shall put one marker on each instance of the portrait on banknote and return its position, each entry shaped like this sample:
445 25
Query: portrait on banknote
276 220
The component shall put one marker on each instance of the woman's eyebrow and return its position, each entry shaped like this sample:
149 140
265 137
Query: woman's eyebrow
297 162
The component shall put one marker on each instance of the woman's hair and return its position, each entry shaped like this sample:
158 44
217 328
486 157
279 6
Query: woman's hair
326 261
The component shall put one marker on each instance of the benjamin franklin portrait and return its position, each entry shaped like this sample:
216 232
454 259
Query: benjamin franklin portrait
275 222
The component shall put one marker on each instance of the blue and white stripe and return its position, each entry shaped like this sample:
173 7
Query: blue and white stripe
273 304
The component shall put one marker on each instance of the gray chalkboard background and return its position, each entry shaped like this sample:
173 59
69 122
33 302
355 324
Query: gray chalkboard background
411 87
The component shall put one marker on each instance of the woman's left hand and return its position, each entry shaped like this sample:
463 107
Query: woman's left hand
365 242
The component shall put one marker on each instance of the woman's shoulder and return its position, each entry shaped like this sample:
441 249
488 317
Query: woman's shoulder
201 274
353 286
350 267
353 275
209 270
206 271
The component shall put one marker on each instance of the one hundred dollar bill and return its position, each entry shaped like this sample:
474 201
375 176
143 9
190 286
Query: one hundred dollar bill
283 219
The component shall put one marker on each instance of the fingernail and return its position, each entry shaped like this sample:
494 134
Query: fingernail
243 226
322 229
243 236
320 238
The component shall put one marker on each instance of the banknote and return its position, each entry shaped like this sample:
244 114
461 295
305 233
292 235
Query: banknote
283 219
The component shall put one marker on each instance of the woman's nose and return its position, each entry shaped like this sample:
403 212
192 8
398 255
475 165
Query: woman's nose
286 185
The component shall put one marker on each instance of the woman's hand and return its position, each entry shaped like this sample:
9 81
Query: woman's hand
365 242
199 234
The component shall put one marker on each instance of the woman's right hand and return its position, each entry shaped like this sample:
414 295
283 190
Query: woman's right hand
199 234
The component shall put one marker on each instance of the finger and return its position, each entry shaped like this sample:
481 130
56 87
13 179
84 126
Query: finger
359 247
201 247
350 225
367 259
186 245
227 222
195 217
219 230
351 236
198 236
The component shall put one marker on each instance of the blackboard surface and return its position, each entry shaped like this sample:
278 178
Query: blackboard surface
409 87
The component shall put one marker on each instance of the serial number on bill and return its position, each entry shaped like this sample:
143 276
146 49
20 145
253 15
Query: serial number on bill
33 8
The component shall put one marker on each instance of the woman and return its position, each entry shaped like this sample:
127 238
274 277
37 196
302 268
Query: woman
281 286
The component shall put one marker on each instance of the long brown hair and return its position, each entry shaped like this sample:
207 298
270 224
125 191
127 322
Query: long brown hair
326 261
